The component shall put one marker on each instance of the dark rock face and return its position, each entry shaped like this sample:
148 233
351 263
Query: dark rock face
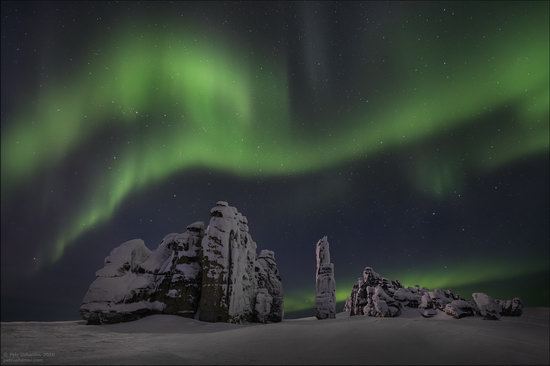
211 273
512 307
487 306
229 255
374 295
325 297
179 280
269 297
460 308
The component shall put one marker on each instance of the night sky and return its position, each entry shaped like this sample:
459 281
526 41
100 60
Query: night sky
415 135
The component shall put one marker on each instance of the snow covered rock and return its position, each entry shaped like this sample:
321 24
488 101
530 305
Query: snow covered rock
325 298
428 313
487 306
213 273
408 296
384 305
512 307
229 257
459 309
180 275
262 309
268 279
374 295
121 290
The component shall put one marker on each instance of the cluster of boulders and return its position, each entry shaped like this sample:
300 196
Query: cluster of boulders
211 274
374 295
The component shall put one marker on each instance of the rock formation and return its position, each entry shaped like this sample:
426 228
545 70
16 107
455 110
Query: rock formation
270 289
374 295
210 274
488 307
512 307
325 296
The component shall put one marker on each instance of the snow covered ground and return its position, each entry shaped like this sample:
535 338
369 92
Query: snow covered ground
165 339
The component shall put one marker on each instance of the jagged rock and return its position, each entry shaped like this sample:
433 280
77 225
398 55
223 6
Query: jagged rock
409 297
229 256
440 298
384 305
374 295
459 309
325 298
179 278
268 278
488 307
213 274
121 290
262 309
512 307
425 301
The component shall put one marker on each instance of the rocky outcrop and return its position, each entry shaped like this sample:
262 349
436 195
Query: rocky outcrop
122 289
460 308
488 307
512 307
374 295
269 297
229 255
211 274
325 286
180 275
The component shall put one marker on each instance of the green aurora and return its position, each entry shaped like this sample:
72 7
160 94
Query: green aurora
204 106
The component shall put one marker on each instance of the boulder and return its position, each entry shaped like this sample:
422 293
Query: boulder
512 307
460 308
488 308
122 290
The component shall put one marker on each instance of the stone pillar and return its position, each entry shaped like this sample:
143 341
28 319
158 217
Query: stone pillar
325 295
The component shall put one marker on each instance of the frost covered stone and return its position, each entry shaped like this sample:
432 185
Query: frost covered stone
325 298
268 278
459 309
121 291
179 278
487 306
512 307
229 257
211 273
374 295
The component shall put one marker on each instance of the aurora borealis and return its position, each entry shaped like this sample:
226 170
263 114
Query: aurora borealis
414 134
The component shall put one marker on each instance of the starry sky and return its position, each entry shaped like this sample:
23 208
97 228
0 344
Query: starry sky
414 134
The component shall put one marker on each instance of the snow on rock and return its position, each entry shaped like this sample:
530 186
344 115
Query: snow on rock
268 278
325 298
179 276
512 307
211 273
460 308
123 258
120 293
374 295
262 309
487 306
229 257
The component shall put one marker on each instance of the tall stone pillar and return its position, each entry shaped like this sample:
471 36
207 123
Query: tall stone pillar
325 295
